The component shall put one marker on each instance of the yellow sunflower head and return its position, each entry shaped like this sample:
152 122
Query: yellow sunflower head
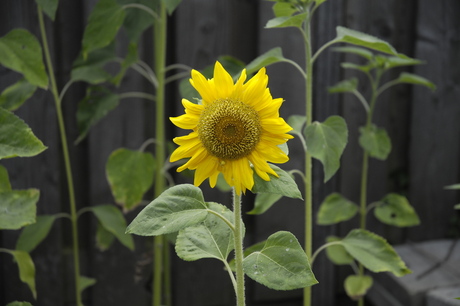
235 130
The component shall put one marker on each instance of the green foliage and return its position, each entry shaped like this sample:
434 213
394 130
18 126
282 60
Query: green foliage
130 174
49 7
21 52
326 142
410 78
104 238
270 57
357 286
281 264
32 235
137 20
287 21
336 208
85 282
15 95
5 184
17 303
26 268
263 202
18 208
349 85
171 5
284 184
375 141
130 59
91 69
395 210
337 252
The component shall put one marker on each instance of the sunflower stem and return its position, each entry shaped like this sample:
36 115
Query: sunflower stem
159 40
238 233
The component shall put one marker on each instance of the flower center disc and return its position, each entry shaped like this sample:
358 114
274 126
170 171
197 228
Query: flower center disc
229 129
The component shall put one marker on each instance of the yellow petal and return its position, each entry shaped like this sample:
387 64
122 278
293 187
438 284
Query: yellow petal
204 87
207 168
223 81
186 122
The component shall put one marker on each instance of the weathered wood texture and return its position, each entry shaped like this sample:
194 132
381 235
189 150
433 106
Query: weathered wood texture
424 128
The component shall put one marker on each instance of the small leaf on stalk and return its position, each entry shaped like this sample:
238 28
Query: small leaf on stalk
17 303
389 62
336 208
349 85
49 7
337 253
32 235
281 9
411 78
95 106
130 58
374 252
395 210
86 282
297 123
326 142
5 184
287 21
171 5
364 68
356 50
281 264
272 56
103 24
91 69
212 238
284 184
26 269
137 20
16 138
15 95
176 208
263 202
357 286
21 52
113 221
18 208
130 174
375 141
104 238
457 206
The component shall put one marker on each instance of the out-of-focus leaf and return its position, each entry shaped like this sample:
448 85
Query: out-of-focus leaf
137 20
263 202
5 184
32 235
287 21
337 253
357 286
86 282
18 208
375 141
26 268
131 58
270 57
15 95
104 238
411 78
49 7
336 208
171 5
394 209
349 85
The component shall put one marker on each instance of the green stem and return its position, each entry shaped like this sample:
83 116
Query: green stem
65 151
238 233
159 40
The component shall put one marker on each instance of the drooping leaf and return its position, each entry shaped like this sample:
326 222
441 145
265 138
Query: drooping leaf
86 282
212 238
103 24
171 5
137 20
415 79
5 184
95 106
263 202
26 269
281 264
357 286
364 68
16 138
15 95
336 208
32 235
49 7
176 208
270 57
326 142
394 209
104 238
18 208
287 21
130 58
337 253
284 184
348 85
21 52
355 50
374 252
375 141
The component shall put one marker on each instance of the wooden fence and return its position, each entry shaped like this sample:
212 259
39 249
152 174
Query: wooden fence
424 128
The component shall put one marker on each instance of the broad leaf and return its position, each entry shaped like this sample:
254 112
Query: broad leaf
374 252
86 282
16 138
284 184
336 208
349 85
270 57
49 7
287 21
176 208
32 235
103 24
130 174
395 210
91 69
18 208
130 59
113 221
281 9
137 20
171 5
15 95
104 238
95 106
357 286
297 123
326 142
281 264
21 52
212 238
337 253
411 78
26 269
5 184
263 202
375 141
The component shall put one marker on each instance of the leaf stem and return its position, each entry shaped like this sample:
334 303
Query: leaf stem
238 239
65 151
136 94
215 213
324 246
144 8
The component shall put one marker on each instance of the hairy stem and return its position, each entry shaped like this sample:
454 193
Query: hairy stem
238 233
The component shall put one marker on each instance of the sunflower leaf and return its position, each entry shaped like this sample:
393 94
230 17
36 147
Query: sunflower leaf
336 208
171 5
15 95
395 210
270 57
49 7
281 9
284 184
326 142
375 141
337 252
85 282
26 268
17 303
349 85
176 208
281 264
5 184
18 208
32 235
137 20
287 21
104 238
410 78
263 202
357 286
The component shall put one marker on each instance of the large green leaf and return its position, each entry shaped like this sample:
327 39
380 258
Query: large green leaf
5 184
130 174
394 209
176 208
103 24
336 208
284 184
326 142
212 238
337 253
21 52
95 106
113 221
374 252
49 7
357 286
16 138
18 208
15 95
26 268
375 141
281 264
287 21
32 235
410 78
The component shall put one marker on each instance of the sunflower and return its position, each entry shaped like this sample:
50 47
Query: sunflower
235 129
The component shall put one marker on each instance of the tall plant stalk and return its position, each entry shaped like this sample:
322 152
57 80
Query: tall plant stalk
238 233
65 153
